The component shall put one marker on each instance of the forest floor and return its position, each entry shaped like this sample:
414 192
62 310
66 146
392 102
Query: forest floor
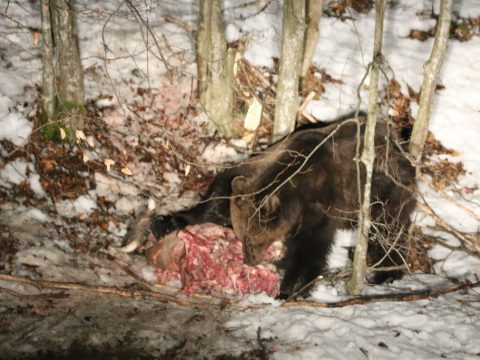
66 293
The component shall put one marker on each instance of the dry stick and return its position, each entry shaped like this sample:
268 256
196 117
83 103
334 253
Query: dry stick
60 295
124 266
149 29
179 23
42 284
452 200
404 296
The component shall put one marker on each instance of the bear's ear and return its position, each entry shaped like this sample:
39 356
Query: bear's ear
272 203
239 185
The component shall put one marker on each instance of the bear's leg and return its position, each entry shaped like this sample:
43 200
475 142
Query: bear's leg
387 250
390 225
215 207
306 258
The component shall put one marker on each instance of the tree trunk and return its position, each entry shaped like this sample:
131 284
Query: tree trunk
48 77
314 13
202 48
355 284
63 105
70 72
215 68
432 69
293 34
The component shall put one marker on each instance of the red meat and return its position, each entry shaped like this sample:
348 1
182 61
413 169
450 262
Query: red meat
208 259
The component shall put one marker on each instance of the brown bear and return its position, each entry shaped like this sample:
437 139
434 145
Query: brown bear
301 191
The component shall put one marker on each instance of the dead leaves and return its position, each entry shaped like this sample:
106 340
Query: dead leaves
63 174
434 147
340 9
421 35
461 29
444 172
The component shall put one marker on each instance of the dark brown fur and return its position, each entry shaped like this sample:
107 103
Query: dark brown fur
301 191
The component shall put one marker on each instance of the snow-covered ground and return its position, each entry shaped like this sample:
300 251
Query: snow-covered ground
116 64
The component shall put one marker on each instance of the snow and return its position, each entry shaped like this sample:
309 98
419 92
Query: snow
14 172
37 214
446 326
398 330
81 206
343 240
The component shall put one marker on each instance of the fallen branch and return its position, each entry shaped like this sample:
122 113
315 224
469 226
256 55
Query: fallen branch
70 286
60 295
415 295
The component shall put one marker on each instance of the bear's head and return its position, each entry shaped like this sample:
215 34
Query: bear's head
257 219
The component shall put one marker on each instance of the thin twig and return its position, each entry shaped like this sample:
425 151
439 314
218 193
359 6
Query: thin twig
404 296
180 24
474 242
149 29
101 289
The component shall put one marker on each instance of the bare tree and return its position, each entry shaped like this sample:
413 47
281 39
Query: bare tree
355 284
314 12
215 68
291 57
432 69
62 103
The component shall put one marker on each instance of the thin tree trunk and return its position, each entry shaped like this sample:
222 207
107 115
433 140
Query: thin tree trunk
356 282
62 104
215 67
48 76
432 70
70 72
314 13
291 56
202 48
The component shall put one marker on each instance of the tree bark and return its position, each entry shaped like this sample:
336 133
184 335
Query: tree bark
48 78
202 48
314 13
215 68
356 282
70 72
287 99
63 105
431 71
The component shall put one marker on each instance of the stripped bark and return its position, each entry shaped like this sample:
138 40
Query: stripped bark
356 282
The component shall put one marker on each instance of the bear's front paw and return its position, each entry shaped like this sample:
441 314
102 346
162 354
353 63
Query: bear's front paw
163 225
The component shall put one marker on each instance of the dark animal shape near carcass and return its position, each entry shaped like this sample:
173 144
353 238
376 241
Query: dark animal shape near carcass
301 191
